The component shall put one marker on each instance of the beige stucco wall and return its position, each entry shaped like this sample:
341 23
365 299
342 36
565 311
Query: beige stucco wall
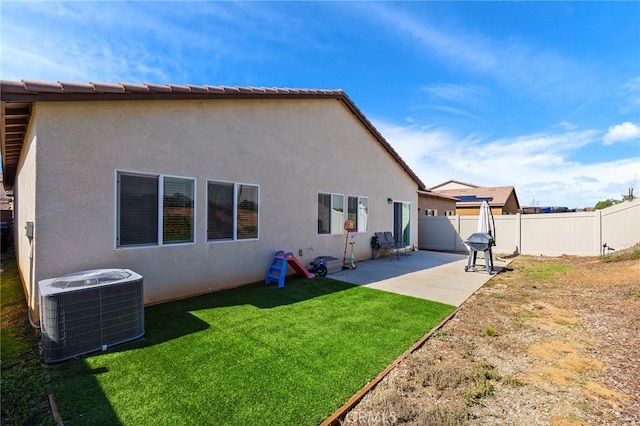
292 149
452 185
511 206
441 205
25 211
475 211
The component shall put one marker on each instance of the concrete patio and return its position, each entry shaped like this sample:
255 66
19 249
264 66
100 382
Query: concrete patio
424 274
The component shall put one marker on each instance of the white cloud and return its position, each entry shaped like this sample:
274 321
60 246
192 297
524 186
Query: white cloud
455 92
568 125
514 63
143 41
540 166
631 90
621 133
452 111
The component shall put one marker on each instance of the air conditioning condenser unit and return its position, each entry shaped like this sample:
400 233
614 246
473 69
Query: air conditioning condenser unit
90 311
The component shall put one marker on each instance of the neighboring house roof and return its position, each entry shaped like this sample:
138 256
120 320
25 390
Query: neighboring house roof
434 194
453 183
469 197
18 98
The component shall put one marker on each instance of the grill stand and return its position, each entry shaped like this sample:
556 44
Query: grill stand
488 260
480 241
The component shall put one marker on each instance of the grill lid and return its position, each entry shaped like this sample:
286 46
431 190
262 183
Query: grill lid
480 238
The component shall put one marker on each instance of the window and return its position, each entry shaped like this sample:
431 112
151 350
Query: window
177 210
232 211
247 212
137 210
431 212
330 213
358 212
145 218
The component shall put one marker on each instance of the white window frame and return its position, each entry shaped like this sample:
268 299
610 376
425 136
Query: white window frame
235 213
159 239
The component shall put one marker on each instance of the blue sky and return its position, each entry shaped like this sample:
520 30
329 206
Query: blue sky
544 96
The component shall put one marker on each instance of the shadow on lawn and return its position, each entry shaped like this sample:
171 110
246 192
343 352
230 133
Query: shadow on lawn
173 320
165 322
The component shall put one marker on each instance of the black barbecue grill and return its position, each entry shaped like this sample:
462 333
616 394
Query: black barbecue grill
480 241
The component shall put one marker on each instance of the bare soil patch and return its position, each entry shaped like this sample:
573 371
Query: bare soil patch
550 341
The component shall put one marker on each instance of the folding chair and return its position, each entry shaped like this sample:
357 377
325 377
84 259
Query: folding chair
390 244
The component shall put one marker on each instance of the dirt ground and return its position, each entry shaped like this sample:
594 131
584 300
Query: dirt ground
550 341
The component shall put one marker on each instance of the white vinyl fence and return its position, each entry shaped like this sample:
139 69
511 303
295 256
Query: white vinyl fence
550 234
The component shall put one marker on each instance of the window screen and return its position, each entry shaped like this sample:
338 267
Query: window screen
247 212
177 210
137 210
324 213
352 210
220 211
363 214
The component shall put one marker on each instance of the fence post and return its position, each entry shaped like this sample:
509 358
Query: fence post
597 218
457 234
518 233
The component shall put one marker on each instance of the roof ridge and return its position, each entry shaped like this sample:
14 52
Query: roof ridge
31 86
475 188
24 93
455 181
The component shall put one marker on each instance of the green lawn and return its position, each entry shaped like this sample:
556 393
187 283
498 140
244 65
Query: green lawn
257 354
23 383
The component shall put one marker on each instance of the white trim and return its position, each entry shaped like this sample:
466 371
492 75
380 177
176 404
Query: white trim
116 209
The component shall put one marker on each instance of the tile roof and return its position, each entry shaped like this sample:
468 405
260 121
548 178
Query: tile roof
437 194
17 98
499 194
11 89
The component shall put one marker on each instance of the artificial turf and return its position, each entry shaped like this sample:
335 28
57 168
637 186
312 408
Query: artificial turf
256 354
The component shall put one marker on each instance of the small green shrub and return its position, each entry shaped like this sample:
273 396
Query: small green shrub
490 331
633 294
512 381
632 253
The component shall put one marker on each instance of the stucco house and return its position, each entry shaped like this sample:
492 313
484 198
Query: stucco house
433 203
501 199
193 187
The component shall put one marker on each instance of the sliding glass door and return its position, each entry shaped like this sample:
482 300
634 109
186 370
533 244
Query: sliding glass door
402 223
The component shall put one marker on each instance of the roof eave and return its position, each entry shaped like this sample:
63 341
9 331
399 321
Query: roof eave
34 91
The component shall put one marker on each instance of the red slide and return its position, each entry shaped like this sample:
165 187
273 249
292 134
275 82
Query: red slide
298 266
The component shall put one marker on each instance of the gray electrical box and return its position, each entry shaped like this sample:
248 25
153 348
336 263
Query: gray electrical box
28 229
